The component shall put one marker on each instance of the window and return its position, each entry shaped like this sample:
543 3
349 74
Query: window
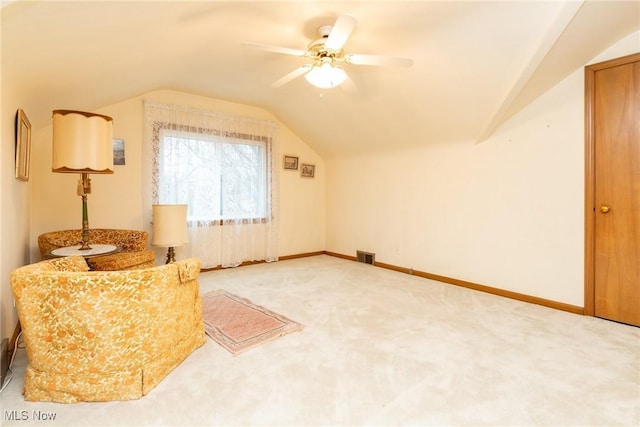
221 167
219 177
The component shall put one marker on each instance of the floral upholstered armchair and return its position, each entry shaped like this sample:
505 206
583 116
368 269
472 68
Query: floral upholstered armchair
133 244
105 335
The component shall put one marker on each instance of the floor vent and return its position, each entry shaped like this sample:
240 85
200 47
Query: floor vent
366 257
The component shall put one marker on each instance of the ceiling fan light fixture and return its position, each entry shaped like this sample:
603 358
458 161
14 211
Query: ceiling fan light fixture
326 76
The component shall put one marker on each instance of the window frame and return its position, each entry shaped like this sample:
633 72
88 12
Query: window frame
209 133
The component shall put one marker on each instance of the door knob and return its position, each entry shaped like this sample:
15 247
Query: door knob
604 208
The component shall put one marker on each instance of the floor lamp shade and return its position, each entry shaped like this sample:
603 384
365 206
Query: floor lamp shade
82 142
169 225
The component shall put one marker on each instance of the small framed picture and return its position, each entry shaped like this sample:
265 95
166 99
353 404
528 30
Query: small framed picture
118 151
23 146
291 163
308 171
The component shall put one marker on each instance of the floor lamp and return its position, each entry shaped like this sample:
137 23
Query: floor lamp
170 228
82 143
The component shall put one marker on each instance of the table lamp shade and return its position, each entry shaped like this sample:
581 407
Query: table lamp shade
82 142
169 225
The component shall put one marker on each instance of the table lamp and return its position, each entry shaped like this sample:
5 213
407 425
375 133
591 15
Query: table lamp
82 143
170 228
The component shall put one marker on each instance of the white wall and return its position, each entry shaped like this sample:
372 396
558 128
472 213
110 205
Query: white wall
507 212
14 210
121 201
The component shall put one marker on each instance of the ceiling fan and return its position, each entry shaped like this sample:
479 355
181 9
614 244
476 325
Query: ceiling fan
327 55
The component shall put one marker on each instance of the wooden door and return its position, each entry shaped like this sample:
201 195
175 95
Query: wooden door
613 190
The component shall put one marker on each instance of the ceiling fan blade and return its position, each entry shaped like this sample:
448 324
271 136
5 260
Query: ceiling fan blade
292 75
276 49
340 32
382 60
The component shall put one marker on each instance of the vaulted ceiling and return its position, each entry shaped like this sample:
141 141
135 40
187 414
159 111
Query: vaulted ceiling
476 63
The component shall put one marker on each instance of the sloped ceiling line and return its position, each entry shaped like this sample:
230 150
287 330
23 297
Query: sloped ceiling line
506 108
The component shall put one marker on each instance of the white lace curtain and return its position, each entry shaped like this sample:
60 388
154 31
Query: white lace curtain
222 167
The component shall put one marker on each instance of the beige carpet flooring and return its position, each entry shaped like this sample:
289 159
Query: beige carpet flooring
381 348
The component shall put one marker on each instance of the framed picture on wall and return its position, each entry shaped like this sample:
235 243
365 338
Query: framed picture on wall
308 171
290 163
23 146
118 151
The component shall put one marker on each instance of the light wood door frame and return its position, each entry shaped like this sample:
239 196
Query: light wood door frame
590 177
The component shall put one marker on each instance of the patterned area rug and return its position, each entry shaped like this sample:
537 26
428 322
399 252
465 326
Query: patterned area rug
237 324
